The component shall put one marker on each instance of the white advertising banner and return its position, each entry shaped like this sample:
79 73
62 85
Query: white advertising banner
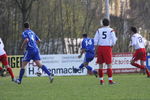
119 60
59 65
63 64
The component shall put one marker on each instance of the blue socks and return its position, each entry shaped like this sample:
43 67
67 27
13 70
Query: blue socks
45 70
89 68
94 71
81 66
21 74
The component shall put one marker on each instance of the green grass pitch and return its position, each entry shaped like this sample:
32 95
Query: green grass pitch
128 87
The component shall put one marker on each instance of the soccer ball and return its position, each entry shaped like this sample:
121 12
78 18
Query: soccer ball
39 72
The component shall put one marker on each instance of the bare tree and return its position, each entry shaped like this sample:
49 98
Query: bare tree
25 7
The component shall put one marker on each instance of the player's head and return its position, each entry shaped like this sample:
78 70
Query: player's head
105 22
133 29
84 35
26 25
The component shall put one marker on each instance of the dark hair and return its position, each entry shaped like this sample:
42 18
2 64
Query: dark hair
26 25
84 35
105 22
133 29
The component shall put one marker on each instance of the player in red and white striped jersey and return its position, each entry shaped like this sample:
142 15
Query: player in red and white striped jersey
104 40
138 43
4 60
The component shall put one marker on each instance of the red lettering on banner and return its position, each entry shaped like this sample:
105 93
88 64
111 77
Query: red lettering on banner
124 70
121 61
122 54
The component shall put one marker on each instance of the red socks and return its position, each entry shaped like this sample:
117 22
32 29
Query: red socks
10 72
137 65
109 73
101 74
141 67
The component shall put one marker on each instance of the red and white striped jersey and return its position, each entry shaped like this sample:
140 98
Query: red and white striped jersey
2 51
137 41
105 36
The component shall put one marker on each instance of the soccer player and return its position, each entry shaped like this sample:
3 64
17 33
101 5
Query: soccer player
138 43
104 40
88 49
4 60
30 39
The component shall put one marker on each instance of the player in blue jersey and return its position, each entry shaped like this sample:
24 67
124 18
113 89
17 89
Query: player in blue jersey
30 40
88 49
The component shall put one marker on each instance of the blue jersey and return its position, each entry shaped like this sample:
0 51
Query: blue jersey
88 46
32 51
31 45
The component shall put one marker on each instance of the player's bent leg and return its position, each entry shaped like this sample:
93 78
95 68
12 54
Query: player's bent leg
95 73
133 63
91 71
144 67
44 68
75 70
51 75
89 68
6 64
81 66
9 69
137 65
